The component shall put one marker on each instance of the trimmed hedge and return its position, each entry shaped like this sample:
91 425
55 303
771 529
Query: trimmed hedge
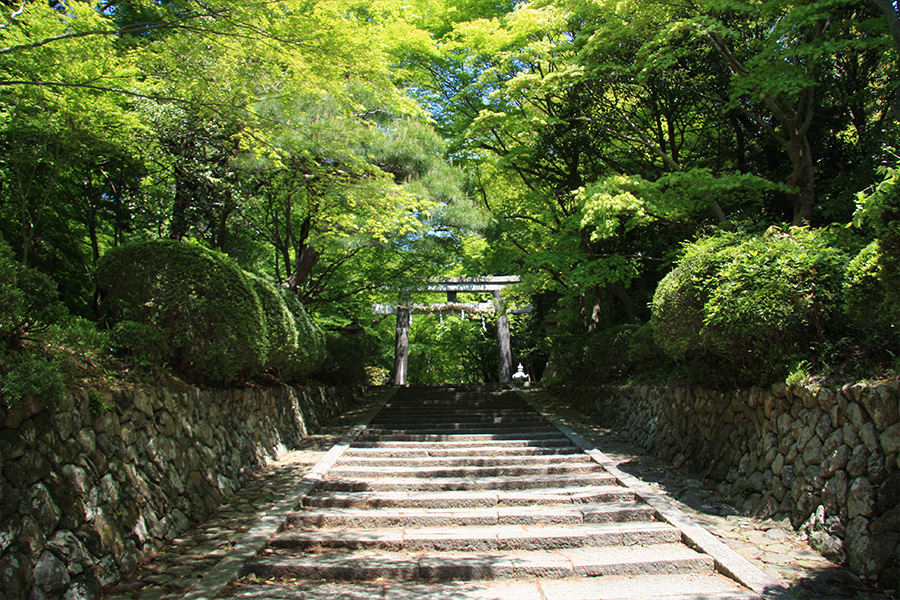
749 306
281 328
311 353
207 308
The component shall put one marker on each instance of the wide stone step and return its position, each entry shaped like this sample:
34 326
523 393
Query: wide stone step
530 436
473 429
477 451
462 471
449 445
622 512
481 539
649 587
530 482
448 415
466 499
462 461
369 565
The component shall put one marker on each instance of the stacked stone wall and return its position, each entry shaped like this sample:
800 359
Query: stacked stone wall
94 486
827 459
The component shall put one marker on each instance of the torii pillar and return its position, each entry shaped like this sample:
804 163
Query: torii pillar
504 348
401 349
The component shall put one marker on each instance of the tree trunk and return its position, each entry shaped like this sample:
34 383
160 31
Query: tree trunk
308 258
803 178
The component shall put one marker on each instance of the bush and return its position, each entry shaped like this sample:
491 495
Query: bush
611 355
29 301
680 298
281 328
865 294
348 358
197 297
749 306
142 344
880 207
29 373
312 351
29 306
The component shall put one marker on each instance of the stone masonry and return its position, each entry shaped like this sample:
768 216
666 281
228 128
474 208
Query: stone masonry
826 458
92 487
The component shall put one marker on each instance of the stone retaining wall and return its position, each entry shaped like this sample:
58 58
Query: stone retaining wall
825 458
92 487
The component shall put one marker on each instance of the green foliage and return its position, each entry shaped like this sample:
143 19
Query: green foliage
312 350
880 207
869 302
610 355
744 306
348 359
98 403
281 330
199 298
28 302
143 344
28 308
452 349
29 373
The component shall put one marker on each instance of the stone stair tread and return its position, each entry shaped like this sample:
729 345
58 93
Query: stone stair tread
538 484
485 443
461 461
368 565
440 451
464 437
497 537
465 471
468 498
649 587
424 517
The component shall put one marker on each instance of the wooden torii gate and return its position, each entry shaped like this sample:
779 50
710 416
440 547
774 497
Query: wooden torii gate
454 286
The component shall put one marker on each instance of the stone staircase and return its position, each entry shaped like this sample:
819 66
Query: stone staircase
470 493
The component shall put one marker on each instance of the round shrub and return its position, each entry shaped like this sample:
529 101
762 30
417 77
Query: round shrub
749 306
311 353
142 344
679 301
198 297
281 328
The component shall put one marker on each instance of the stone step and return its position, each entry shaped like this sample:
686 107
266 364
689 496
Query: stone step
622 512
649 587
480 539
466 499
426 462
532 436
350 472
479 451
531 482
552 442
519 431
456 415
369 565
